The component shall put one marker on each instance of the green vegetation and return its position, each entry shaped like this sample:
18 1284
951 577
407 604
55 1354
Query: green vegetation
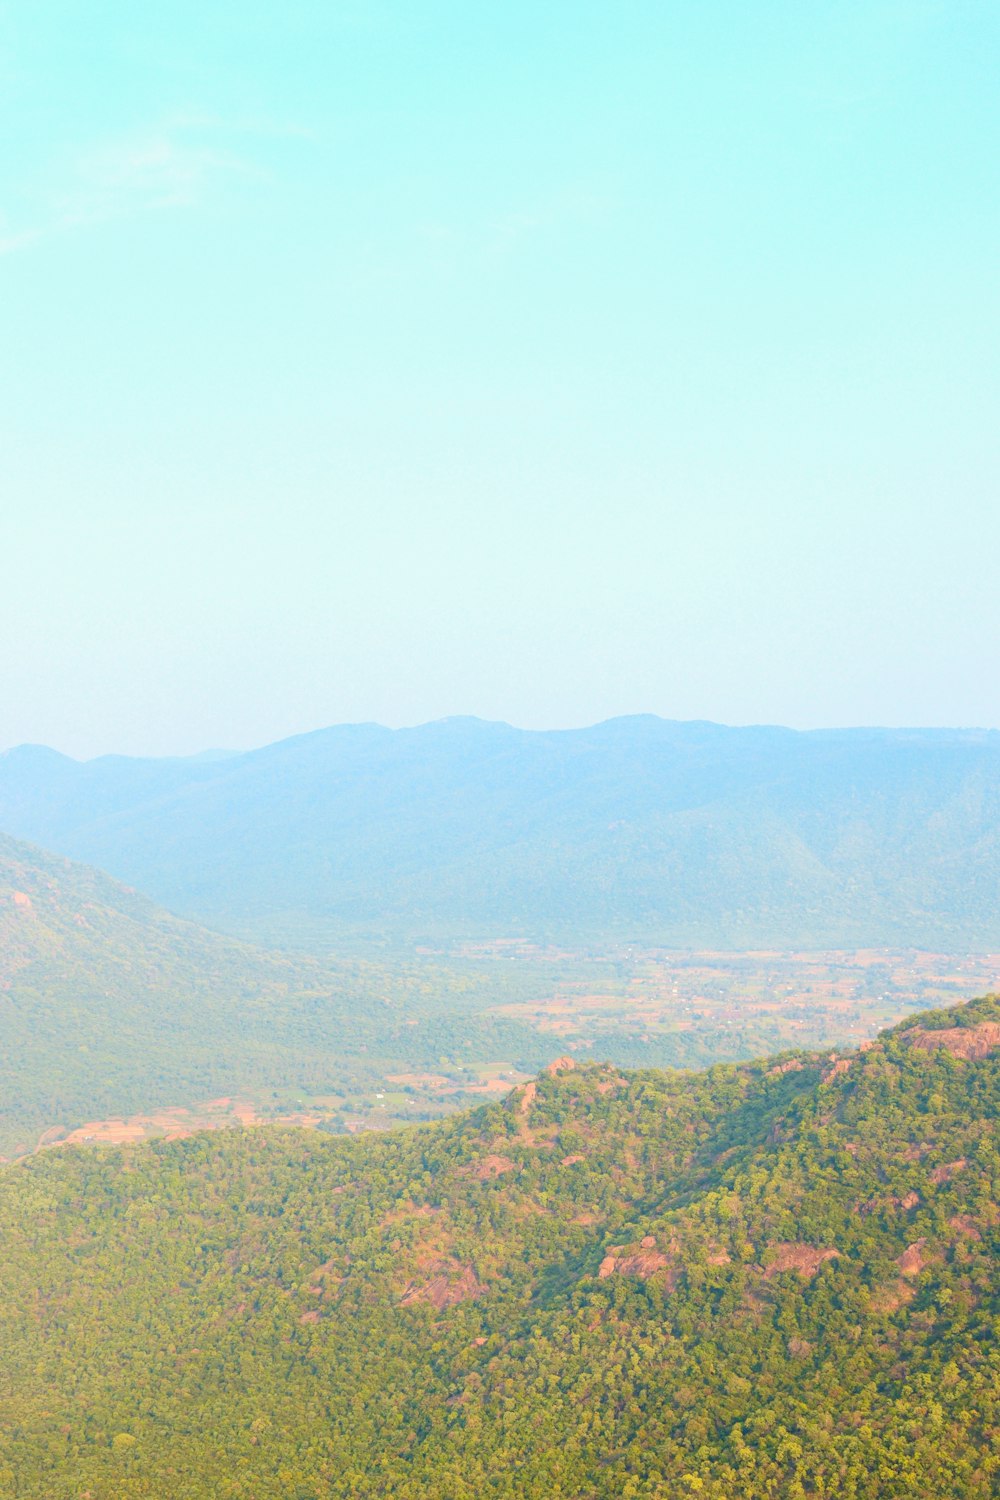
109 1005
777 1279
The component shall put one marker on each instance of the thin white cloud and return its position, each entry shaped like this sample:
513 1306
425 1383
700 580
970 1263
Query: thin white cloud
174 164
158 170
12 240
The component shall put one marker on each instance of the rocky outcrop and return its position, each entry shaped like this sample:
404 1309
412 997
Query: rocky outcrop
449 1282
912 1262
970 1042
791 1255
948 1170
642 1261
488 1167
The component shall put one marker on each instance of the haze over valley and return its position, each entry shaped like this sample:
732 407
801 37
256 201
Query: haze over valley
638 830
499 750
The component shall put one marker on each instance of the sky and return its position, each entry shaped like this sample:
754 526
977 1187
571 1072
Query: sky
390 359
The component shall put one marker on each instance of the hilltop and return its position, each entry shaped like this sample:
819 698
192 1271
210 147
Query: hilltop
773 1278
679 834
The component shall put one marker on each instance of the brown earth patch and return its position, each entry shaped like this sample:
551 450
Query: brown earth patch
607 1084
840 1065
571 1161
326 1280
419 1080
793 1065
970 1042
22 900
949 1170
450 1282
891 1299
890 1204
644 1262
488 1167
804 1259
912 1262
965 1224
406 1212
106 1133
561 1065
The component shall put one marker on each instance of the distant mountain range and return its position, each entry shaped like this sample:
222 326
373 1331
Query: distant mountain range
681 834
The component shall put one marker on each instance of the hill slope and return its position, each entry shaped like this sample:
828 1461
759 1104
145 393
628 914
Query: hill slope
774 1279
683 834
109 1005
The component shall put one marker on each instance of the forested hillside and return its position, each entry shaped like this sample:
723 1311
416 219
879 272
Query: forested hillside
110 1005
637 829
773 1279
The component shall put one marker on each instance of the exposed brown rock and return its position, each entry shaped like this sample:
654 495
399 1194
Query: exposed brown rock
792 1065
561 1065
608 1084
796 1256
891 1299
840 1065
526 1098
22 900
890 1204
971 1042
406 1212
450 1282
490 1166
571 1161
965 1224
912 1262
948 1170
642 1263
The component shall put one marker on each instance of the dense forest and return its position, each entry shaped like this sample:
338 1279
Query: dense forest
109 1005
773 1279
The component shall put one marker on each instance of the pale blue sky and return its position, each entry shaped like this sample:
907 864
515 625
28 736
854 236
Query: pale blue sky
540 361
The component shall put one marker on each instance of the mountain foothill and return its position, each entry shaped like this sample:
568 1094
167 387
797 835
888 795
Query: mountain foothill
766 1277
